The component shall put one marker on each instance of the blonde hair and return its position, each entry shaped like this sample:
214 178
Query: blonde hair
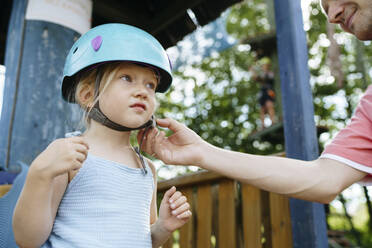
87 78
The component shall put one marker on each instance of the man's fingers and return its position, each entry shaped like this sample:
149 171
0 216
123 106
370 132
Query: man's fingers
156 141
173 125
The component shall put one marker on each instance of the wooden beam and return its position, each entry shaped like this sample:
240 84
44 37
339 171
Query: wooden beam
175 9
122 12
189 180
308 219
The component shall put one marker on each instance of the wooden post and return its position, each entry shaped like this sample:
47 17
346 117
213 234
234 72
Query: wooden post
33 111
308 219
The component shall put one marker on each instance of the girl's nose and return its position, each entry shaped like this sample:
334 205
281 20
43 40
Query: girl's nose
141 91
335 12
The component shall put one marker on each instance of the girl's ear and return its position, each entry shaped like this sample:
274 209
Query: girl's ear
85 96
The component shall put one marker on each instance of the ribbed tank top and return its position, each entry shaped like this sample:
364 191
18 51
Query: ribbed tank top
106 204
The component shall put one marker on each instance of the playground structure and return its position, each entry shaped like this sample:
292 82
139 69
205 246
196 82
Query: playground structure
238 205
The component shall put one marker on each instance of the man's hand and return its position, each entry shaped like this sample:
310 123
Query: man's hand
183 147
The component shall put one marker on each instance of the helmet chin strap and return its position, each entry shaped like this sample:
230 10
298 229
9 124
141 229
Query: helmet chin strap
96 114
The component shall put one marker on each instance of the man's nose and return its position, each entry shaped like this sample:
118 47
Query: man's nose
335 12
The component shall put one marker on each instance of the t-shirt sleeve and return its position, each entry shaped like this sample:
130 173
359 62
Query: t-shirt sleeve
353 144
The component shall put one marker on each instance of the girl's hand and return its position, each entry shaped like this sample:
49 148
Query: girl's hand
183 147
174 210
61 156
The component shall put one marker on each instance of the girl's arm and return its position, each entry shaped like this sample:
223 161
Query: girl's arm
36 208
319 180
158 236
43 190
174 212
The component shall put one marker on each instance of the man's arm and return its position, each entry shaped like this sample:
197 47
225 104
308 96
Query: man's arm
319 180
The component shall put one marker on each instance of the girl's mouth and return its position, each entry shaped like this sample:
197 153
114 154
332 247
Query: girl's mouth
138 105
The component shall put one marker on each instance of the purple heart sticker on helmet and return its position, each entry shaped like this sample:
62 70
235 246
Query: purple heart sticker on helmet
96 42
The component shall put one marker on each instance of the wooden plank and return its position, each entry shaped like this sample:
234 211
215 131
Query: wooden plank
186 232
226 214
189 180
5 189
280 221
251 207
266 220
204 216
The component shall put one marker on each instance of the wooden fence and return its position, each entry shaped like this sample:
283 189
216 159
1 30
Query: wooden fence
228 214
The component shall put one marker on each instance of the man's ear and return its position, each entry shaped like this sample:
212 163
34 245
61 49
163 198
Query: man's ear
86 96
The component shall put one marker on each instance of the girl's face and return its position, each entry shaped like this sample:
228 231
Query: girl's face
129 99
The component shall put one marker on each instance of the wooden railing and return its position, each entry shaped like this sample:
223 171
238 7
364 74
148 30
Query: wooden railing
228 214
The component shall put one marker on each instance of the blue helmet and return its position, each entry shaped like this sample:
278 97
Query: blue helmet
116 42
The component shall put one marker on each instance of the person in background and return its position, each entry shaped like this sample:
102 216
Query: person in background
266 98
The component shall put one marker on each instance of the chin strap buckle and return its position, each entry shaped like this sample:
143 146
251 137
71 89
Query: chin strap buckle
137 150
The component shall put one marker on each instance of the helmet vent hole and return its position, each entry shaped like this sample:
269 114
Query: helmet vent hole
75 50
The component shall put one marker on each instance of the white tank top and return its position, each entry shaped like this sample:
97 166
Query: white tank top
106 204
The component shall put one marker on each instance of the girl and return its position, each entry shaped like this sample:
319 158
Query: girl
96 190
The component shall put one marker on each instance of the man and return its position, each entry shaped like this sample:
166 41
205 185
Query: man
348 159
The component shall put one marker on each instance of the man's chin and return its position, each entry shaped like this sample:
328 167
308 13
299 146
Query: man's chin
364 36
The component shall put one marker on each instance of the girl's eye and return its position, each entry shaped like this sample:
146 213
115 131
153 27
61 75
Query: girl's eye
151 86
126 78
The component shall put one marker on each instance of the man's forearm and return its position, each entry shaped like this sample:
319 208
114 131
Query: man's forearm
319 180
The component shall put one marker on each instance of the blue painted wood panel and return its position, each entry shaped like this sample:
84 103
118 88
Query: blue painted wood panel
14 44
308 219
34 113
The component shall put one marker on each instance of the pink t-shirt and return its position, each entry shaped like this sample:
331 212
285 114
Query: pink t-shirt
353 144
